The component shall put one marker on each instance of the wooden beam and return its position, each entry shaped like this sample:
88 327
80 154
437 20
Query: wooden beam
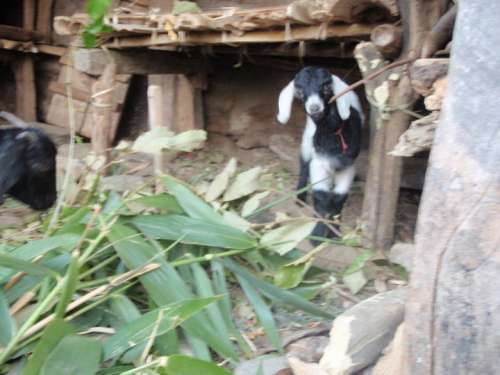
298 33
94 61
29 10
19 34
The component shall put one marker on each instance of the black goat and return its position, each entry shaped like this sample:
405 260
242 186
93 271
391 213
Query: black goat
331 140
27 164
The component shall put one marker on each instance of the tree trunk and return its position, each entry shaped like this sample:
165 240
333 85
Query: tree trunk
452 318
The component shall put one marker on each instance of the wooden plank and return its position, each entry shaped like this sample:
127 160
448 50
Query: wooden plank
44 18
51 50
78 94
93 62
18 34
189 105
298 33
24 73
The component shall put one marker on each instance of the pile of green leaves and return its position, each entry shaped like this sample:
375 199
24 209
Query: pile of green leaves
96 9
122 280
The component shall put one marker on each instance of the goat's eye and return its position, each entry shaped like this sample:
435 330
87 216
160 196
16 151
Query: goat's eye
327 90
299 94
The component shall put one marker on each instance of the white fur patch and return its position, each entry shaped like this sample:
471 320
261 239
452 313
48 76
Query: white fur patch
314 100
307 146
345 102
285 102
343 180
321 174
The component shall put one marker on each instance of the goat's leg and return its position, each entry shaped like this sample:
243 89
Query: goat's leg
303 179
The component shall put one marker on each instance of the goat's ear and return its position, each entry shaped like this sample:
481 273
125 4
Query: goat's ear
345 102
285 103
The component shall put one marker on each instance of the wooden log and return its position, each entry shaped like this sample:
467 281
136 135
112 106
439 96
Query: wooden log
452 318
418 137
29 10
94 61
440 34
103 104
387 38
424 72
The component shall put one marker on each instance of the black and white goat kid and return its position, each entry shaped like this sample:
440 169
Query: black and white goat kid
27 164
331 140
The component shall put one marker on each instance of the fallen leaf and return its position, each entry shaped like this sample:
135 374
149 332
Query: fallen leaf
220 182
245 184
286 238
158 139
355 281
253 203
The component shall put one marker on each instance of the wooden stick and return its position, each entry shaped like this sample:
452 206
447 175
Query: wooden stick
155 108
372 76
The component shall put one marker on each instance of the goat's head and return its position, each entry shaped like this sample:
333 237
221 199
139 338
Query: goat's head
314 87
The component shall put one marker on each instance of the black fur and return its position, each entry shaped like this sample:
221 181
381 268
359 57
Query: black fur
28 167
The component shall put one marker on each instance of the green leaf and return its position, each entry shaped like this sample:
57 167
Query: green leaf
274 292
204 289
183 365
289 277
245 184
74 355
40 247
359 262
29 268
165 202
193 231
7 323
140 330
51 337
287 237
97 8
164 286
71 281
192 204
262 311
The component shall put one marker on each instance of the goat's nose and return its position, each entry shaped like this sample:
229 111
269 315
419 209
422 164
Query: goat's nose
314 108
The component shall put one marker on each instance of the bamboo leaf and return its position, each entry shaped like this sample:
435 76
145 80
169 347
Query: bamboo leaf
51 336
7 323
75 355
253 203
136 253
262 311
139 330
14 264
165 202
287 237
274 292
245 184
70 280
183 365
221 181
193 231
192 204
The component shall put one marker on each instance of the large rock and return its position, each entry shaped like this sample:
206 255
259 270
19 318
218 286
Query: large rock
359 335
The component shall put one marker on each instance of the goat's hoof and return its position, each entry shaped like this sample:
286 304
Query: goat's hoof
321 230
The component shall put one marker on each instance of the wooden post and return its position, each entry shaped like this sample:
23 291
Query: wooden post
44 18
452 320
155 112
391 92
102 108
24 71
